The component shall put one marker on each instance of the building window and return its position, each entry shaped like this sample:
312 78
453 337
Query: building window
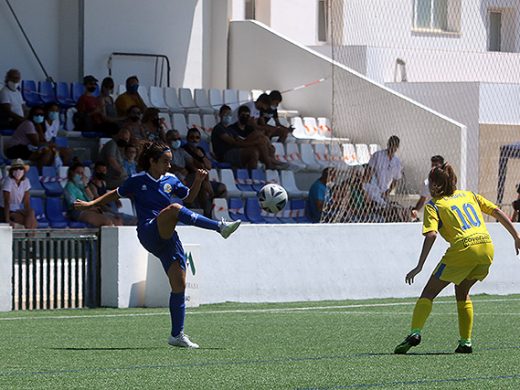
323 20
434 14
250 9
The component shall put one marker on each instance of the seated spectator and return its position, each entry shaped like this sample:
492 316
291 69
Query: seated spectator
130 98
15 202
133 123
106 102
11 101
98 187
317 197
76 188
112 155
154 128
209 189
90 115
130 160
52 126
28 142
436 161
257 110
181 158
272 114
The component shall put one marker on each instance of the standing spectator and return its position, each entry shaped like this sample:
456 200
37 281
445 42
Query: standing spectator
437 162
90 115
11 101
28 142
209 189
15 202
106 102
76 189
317 196
154 128
130 160
130 98
112 154
180 158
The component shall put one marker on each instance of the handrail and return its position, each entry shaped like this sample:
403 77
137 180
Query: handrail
156 56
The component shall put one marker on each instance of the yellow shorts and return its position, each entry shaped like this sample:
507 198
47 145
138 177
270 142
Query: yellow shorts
470 263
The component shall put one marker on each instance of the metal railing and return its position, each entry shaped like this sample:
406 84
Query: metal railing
160 61
55 269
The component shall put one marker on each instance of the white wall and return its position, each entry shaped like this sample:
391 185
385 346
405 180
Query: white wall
6 267
500 103
280 263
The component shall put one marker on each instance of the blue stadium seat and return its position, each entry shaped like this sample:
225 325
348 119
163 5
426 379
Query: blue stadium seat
253 211
77 90
62 142
7 132
236 209
47 92
30 93
63 95
34 178
298 211
50 182
37 206
259 179
56 213
243 181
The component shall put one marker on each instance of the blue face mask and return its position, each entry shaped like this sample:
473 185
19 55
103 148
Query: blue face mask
38 119
78 180
176 144
133 88
53 115
226 120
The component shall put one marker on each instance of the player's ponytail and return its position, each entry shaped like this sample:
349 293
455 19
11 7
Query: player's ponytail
150 150
442 180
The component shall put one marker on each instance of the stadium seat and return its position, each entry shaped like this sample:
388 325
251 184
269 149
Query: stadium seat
244 97
253 211
227 177
195 121
308 158
179 124
62 174
215 98
102 141
258 179
272 176
126 206
63 95
56 213
311 128
220 209
321 155
77 90
34 178
289 183
157 98
243 181
61 142
255 93
279 152
7 132
47 92
236 209
336 155
298 211
167 120
373 148
30 93
349 155
187 102
143 92
293 155
172 101
363 153
37 206
231 98
202 102
213 175
324 128
270 217
50 182
208 123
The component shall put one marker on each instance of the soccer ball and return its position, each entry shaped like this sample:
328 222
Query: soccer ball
272 198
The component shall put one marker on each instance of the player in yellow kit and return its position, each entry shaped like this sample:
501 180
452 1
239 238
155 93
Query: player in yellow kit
457 216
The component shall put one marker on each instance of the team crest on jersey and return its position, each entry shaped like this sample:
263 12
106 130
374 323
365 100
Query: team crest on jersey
143 187
167 188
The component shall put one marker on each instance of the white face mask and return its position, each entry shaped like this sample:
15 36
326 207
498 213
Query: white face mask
12 85
18 173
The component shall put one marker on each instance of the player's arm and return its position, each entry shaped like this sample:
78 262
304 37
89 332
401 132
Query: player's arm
429 239
110 196
504 220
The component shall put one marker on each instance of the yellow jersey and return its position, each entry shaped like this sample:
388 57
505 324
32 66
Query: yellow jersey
458 218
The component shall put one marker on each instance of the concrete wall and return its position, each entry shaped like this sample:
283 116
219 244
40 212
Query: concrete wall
262 263
6 267
500 103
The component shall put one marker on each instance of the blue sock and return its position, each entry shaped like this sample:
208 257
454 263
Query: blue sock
188 217
177 312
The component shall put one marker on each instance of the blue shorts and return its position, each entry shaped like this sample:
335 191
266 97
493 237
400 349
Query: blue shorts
168 251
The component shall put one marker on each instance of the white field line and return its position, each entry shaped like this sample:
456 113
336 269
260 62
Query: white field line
252 311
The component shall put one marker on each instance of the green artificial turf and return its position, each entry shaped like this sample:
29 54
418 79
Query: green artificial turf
319 345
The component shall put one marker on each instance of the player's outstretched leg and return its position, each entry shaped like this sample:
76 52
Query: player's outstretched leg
189 217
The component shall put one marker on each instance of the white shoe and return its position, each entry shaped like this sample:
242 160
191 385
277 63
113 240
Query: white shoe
227 228
182 340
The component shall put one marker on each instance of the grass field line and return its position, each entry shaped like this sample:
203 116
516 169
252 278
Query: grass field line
249 311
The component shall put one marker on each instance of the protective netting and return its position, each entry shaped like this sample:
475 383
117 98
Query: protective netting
443 76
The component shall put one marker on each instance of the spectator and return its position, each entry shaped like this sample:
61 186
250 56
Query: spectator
154 127
257 110
28 142
317 197
130 160
209 189
106 102
134 124
516 206
90 115
11 101
52 126
180 158
15 202
437 162
272 114
130 98
76 189
112 154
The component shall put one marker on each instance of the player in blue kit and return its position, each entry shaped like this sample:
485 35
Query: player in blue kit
153 191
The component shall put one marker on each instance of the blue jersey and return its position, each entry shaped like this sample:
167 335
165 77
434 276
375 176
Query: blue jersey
151 195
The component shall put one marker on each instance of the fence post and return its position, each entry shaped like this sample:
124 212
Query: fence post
6 267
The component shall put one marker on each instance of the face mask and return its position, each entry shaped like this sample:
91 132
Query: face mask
121 143
18 173
226 120
243 120
176 144
12 85
132 88
101 175
91 89
38 119
78 180
53 115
